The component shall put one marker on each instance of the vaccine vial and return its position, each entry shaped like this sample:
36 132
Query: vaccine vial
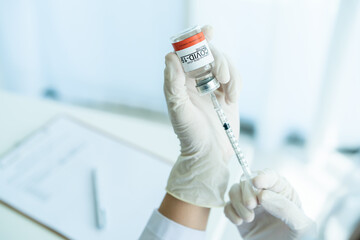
197 61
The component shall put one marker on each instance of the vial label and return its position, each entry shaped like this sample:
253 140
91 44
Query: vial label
194 52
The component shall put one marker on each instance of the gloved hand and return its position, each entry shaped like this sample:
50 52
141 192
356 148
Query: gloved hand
274 213
200 174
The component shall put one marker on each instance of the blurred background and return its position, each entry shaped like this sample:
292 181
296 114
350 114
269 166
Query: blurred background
299 61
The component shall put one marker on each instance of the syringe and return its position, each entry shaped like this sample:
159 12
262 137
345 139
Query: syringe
234 142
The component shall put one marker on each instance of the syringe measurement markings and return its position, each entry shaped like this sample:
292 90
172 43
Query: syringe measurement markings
231 136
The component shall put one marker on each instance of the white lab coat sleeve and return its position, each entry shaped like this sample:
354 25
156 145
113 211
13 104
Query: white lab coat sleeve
161 228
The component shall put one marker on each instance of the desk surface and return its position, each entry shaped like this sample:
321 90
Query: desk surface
19 116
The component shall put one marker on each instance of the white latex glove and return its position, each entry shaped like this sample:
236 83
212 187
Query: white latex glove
274 213
200 175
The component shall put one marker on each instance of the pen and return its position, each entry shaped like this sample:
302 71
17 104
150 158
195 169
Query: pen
100 212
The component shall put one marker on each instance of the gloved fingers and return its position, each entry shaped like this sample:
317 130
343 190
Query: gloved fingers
248 195
270 180
175 84
221 68
237 196
284 209
223 72
232 88
208 32
231 214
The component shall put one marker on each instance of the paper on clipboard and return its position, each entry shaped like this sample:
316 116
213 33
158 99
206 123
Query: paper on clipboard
48 178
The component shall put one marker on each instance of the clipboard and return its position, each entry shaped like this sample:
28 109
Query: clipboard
139 167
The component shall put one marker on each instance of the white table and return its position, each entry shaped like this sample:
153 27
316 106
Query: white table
19 116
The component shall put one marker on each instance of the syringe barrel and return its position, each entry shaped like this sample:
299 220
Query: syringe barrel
231 136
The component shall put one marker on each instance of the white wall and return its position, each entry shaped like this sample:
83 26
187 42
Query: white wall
282 49
338 115
113 51
109 51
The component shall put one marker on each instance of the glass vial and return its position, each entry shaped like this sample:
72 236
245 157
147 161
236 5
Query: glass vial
196 58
